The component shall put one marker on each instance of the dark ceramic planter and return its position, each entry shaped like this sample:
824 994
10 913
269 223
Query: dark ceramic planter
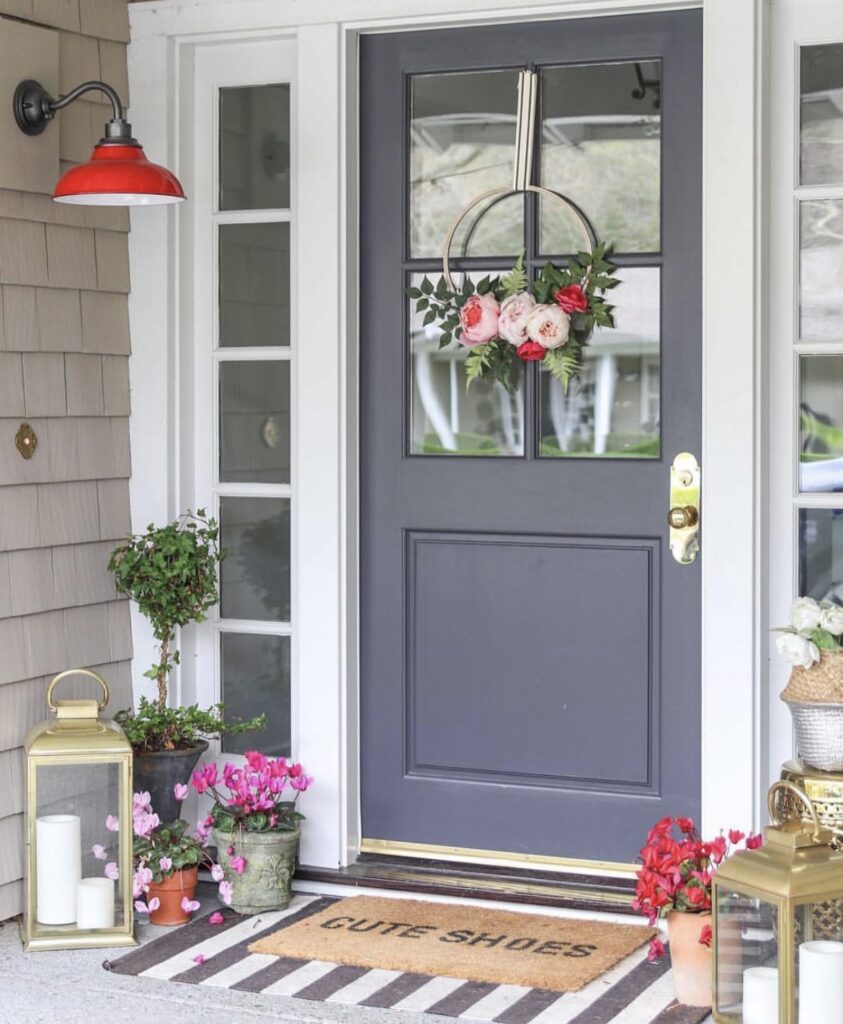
158 772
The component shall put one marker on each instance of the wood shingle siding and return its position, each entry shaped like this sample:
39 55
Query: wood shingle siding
64 367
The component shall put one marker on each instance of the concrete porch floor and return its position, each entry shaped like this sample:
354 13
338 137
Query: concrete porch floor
72 987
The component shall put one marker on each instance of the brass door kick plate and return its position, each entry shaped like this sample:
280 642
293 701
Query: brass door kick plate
26 440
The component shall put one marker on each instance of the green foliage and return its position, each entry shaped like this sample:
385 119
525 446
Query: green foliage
493 360
515 281
171 572
226 819
564 363
152 728
169 840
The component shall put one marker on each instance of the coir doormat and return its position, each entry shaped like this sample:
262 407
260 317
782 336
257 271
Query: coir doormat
458 941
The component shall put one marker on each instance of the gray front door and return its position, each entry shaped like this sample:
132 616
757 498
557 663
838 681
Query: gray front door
530 652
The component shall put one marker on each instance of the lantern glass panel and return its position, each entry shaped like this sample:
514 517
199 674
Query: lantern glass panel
747 941
818 959
75 851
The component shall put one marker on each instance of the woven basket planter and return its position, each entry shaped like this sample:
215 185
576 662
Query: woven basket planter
815 698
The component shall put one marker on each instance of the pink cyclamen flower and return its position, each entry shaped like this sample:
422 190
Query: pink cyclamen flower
154 903
226 891
199 958
479 319
165 863
238 864
302 783
217 873
216 918
112 824
140 881
656 950
188 905
111 871
230 851
98 851
141 801
141 907
144 824
180 791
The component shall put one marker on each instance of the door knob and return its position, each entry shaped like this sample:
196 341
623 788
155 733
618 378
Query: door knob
680 517
683 516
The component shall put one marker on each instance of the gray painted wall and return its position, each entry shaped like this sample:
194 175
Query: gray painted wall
64 354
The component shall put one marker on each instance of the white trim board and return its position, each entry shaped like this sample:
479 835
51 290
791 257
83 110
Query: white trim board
166 37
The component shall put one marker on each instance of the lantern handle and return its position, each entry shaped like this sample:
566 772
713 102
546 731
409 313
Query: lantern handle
788 787
77 672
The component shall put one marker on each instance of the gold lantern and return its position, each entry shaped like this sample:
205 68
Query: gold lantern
778 923
78 820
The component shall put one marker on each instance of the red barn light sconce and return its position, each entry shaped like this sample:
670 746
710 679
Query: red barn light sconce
118 173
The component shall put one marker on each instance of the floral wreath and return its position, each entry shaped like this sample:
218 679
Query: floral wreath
508 320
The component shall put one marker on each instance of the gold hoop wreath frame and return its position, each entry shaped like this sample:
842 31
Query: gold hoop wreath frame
509 320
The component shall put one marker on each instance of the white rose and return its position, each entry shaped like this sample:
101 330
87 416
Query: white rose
832 619
549 326
797 650
805 614
515 311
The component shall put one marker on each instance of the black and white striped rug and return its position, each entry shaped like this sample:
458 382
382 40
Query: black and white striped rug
633 992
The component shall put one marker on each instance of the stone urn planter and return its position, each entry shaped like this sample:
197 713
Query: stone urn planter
270 857
170 892
815 698
690 960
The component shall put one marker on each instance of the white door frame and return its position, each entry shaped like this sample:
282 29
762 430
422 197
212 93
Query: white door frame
165 36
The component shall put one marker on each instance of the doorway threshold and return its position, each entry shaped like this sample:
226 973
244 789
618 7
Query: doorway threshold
583 892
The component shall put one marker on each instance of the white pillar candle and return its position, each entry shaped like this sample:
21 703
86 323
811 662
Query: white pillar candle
58 865
821 983
760 995
95 903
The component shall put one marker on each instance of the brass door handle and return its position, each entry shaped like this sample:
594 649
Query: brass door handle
683 516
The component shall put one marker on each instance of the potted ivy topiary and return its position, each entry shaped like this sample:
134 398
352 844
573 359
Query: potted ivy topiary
171 573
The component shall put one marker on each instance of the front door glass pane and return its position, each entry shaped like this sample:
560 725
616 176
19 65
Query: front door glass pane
449 418
255 677
821 270
821 114
254 168
613 410
255 574
462 143
601 147
254 262
821 423
255 422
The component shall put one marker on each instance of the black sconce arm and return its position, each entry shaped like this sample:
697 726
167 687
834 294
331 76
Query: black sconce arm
34 108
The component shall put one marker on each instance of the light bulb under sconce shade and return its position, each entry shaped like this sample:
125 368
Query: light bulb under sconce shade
118 173
118 176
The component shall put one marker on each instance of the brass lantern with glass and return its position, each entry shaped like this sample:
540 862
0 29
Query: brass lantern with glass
778 923
78 820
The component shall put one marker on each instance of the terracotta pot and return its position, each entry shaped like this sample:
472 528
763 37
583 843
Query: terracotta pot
690 961
170 892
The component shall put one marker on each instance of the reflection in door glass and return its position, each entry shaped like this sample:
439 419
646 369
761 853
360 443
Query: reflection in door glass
254 288
255 574
255 680
821 270
462 143
254 417
821 554
447 418
821 423
821 114
613 410
601 147
254 167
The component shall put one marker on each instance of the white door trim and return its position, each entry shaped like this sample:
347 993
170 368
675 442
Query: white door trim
165 36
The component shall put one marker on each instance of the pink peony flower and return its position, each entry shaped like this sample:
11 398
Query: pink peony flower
216 918
479 321
111 871
548 325
98 851
180 791
226 891
112 824
188 905
515 311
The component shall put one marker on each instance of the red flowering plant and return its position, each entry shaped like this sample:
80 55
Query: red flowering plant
507 320
676 872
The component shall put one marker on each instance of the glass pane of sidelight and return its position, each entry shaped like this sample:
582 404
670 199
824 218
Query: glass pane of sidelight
601 147
448 418
255 422
821 270
255 680
821 553
821 423
462 143
613 410
255 147
254 284
255 574
821 114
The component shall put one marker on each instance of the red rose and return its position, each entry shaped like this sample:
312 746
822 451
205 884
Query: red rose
572 299
530 351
